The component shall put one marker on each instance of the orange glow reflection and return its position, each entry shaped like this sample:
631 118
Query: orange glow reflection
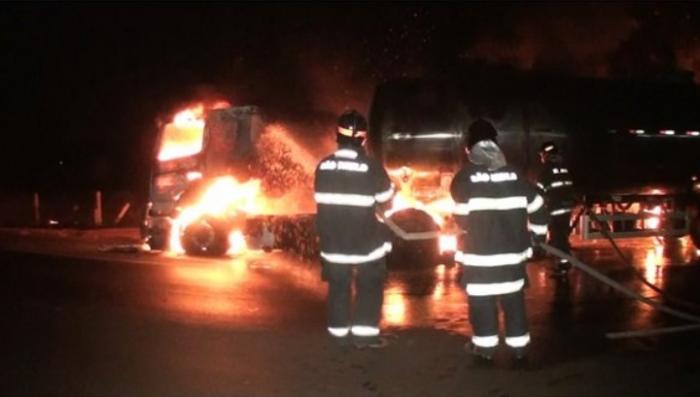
652 263
394 311
440 273
213 284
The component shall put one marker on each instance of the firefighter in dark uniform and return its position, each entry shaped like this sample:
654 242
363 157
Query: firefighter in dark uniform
350 188
557 187
501 213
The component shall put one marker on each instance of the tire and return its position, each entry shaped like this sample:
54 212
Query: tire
157 241
415 253
205 237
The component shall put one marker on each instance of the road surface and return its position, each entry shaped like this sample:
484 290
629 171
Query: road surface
81 322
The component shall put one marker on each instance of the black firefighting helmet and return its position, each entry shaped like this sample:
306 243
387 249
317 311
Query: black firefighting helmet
352 125
548 149
481 130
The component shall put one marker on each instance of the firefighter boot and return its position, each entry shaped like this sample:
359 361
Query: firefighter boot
480 354
520 359
561 271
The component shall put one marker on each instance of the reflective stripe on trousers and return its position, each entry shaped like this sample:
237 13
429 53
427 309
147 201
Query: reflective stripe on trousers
364 330
483 316
495 288
339 332
485 341
518 341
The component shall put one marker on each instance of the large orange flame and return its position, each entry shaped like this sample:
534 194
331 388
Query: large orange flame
184 135
224 197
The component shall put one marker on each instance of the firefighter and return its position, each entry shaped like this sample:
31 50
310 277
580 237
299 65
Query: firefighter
350 188
556 186
501 213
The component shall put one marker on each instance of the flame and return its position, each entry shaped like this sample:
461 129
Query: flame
225 197
653 222
236 242
184 135
439 206
447 243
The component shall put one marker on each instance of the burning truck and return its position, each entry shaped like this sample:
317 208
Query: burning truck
224 177
632 146
201 190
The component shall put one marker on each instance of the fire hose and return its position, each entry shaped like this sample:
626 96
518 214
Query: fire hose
606 233
629 293
598 276
411 236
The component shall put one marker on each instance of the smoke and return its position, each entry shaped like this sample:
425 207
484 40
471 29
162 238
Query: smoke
580 39
600 40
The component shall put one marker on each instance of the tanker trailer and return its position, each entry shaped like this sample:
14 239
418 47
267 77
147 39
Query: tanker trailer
631 145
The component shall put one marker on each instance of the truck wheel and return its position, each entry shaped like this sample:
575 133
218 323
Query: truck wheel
157 241
414 253
205 237
695 231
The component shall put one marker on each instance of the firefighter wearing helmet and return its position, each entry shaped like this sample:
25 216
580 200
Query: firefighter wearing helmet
350 188
557 187
501 212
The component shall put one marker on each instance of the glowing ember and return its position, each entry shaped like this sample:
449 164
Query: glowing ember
224 198
184 136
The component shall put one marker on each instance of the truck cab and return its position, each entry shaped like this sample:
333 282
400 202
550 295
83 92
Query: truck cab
198 144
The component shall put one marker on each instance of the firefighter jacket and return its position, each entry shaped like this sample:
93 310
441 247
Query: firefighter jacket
348 187
557 187
500 212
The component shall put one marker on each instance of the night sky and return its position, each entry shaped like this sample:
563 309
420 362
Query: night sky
83 85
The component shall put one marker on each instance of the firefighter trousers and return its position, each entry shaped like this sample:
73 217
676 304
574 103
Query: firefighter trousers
559 230
368 282
483 315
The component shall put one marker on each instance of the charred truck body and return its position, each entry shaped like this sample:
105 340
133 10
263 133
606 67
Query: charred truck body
197 147
631 146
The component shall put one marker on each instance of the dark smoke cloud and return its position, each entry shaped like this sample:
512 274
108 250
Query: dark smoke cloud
647 41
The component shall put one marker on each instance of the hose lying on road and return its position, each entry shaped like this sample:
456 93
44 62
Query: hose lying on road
666 295
625 291
652 332
600 277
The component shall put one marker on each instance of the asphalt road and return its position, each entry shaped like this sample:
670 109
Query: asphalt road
79 322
